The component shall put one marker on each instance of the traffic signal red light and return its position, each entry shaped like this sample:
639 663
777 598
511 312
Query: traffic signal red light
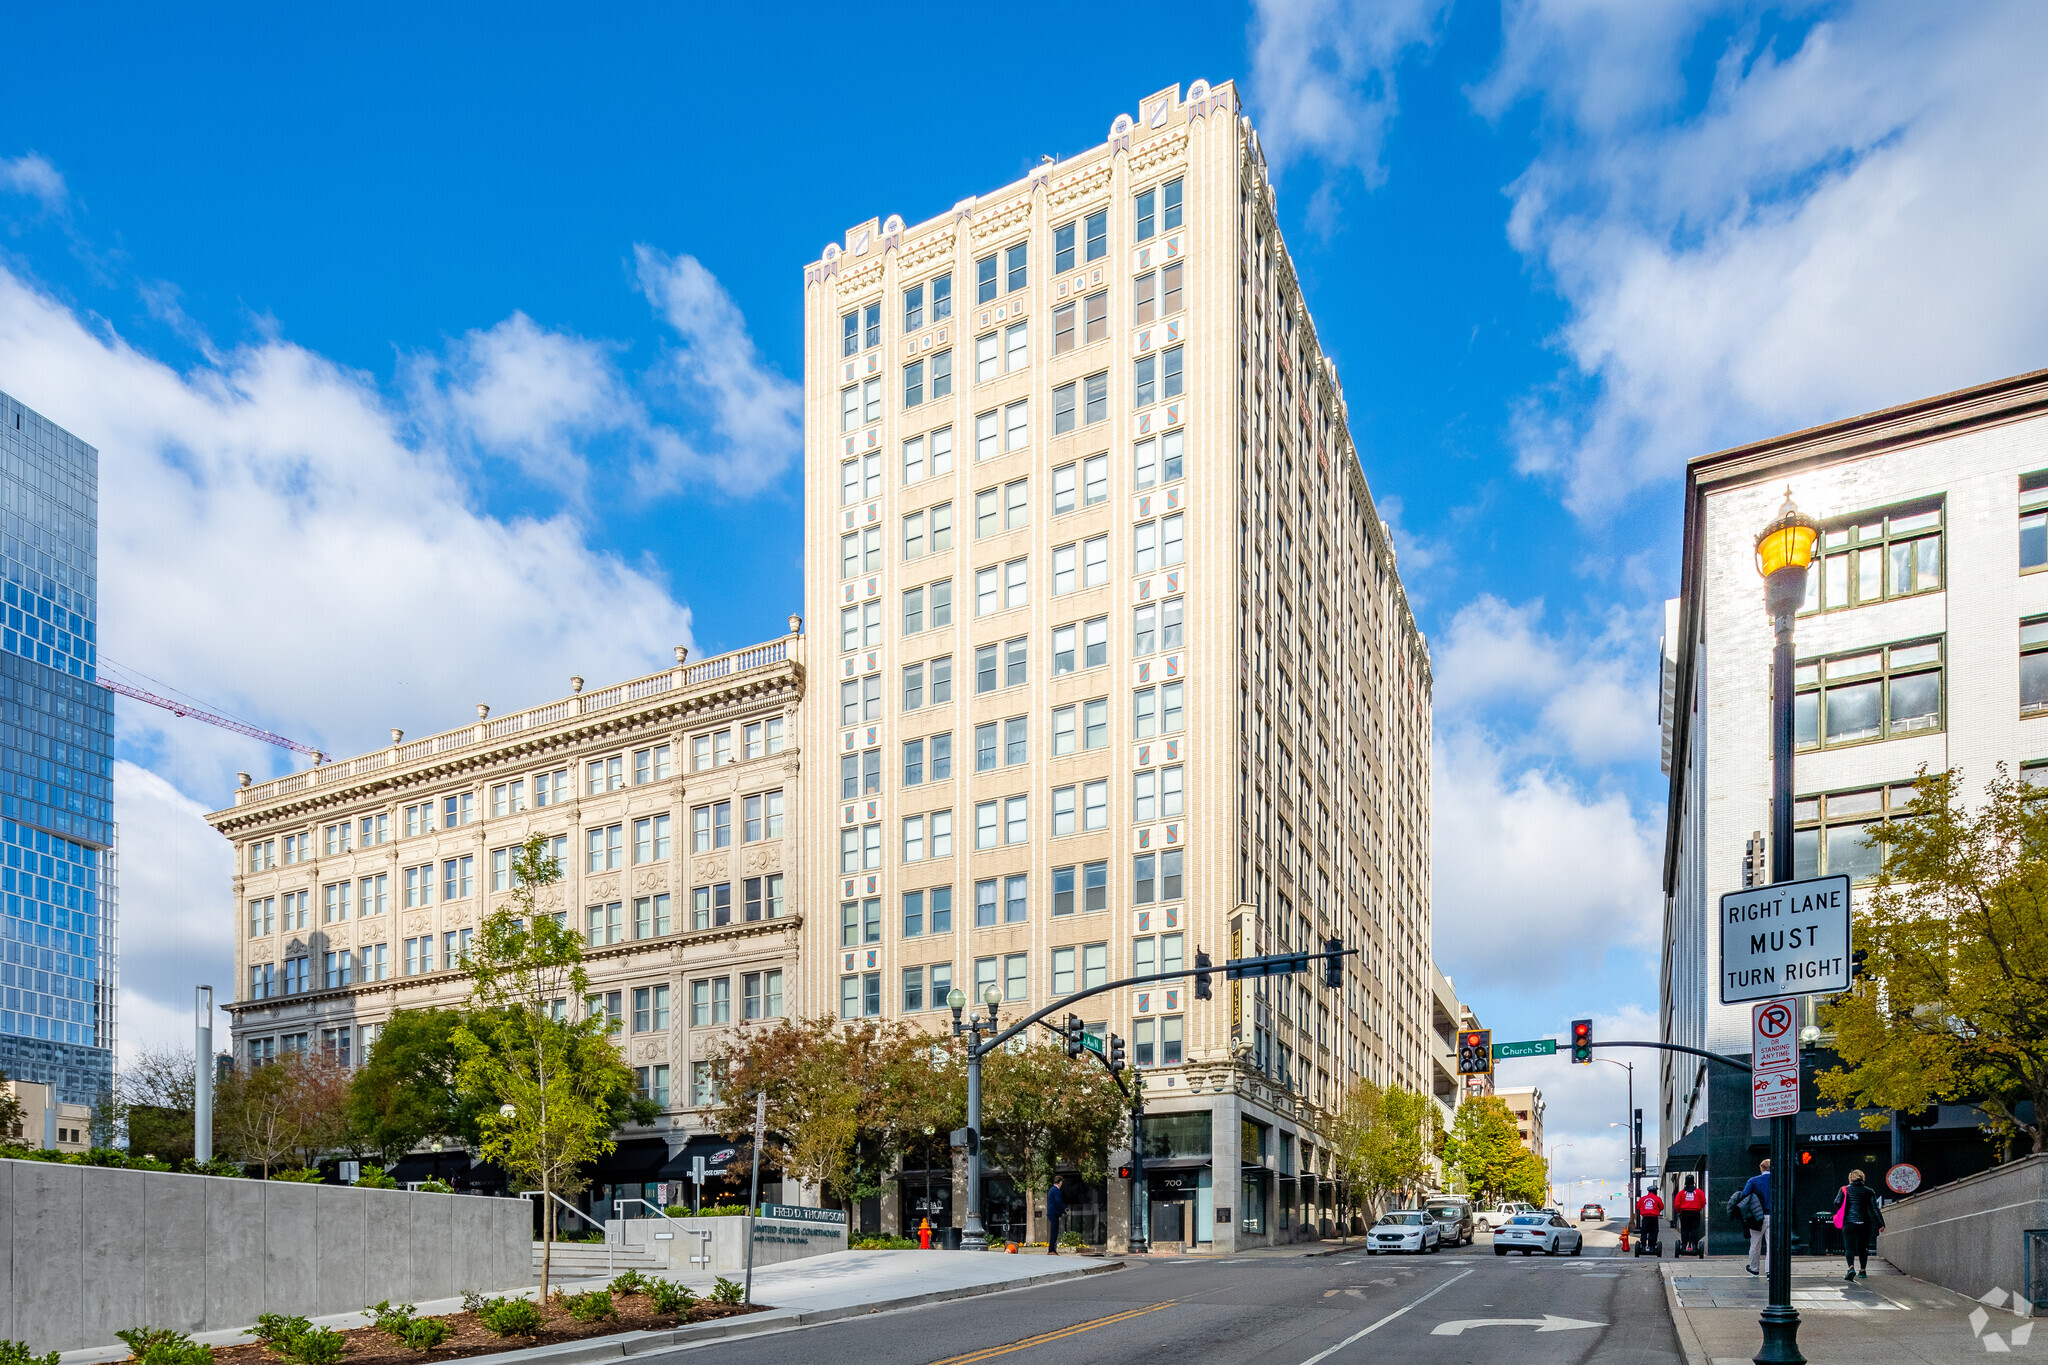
1582 1041
1123 1172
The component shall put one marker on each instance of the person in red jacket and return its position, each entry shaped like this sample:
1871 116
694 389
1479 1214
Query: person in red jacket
1649 1215
1692 1217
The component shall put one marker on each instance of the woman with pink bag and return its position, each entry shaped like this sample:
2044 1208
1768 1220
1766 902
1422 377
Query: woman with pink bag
1860 1219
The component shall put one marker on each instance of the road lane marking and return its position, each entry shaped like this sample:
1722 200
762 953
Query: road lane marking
1368 1331
993 1351
1549 1322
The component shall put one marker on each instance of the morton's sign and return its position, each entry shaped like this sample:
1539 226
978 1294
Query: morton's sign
1787 939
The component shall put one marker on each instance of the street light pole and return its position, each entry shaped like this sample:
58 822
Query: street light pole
202 1075
973 1236
1784 551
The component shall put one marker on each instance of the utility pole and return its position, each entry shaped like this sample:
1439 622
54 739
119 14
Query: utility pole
202 1074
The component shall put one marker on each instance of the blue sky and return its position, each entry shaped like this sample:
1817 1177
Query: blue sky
435 356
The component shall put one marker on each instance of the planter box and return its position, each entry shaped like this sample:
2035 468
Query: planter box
801 1234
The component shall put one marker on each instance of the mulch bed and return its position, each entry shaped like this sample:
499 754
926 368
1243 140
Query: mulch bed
469 1337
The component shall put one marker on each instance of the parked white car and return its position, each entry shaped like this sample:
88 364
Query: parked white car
1500 1215
1407 1230
1530 1233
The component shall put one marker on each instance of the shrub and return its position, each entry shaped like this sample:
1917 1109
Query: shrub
632 1282
145 1162
589 1307
726 1211
727 1291
162 1346
588 1236
315 1346
1072 1239
304 1175
424 1334
17 1353
275 1329
373 1178
668 1296
511 1317
881 1242
392 1322
434 1187
473 1301
219 1166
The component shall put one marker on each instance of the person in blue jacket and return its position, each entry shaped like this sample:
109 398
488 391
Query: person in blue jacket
1055 1205
1752 1205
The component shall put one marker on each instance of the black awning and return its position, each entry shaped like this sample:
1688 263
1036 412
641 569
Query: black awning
444 1166
722 1156
638 1159
1176 1163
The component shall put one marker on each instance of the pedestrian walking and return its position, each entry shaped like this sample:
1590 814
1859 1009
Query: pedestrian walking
1649 1219
1692 1217
1055 1206
1752 1206
1858 1216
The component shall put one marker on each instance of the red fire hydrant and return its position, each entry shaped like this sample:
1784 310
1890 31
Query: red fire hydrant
924 1234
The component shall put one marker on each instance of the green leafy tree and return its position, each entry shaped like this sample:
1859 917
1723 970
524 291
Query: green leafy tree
292 1109
410 1090
109 1118
155 1097
1954 1001
552 1079
1381 1142
12 1113
1042 1110
1486 1148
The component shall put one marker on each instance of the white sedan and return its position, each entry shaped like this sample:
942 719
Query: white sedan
1530 1233
1408 1230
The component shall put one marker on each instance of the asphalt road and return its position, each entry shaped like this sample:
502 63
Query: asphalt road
1338 1310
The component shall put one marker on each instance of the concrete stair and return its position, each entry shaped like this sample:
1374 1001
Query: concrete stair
581 1260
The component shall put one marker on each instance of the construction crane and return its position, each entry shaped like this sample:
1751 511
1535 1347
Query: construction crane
184 708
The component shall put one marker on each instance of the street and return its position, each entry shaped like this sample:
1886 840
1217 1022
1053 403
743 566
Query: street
1276 1310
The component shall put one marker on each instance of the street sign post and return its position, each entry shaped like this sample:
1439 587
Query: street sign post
1774 1059
1539 1047
1791 938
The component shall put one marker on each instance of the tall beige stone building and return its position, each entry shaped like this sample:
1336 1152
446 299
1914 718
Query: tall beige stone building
670 801
1111 661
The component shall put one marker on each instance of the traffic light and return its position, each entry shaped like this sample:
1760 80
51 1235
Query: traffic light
1074 1029
1475 1052
1116 1054
1202 991
1123 1172
1333 963
1858 961
1582 1041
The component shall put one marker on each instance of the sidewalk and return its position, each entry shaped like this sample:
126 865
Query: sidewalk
1888 1319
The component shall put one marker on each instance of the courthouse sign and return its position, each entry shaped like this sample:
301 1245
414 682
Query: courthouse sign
1787 939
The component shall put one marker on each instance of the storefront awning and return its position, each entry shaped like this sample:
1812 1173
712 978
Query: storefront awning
1176 1163
636 1159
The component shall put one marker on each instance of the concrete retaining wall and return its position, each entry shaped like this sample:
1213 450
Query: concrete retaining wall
775 1240
86 1252
1969 1235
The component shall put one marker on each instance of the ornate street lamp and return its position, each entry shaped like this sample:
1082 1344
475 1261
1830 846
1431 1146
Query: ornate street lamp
973 1236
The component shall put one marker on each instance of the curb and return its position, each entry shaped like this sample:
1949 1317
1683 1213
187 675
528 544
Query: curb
1681 1323
774 1320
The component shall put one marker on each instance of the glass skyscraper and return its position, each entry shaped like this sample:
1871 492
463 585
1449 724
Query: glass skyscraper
57 972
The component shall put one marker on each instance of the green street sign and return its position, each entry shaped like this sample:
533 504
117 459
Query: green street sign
1541 1047
1093 1042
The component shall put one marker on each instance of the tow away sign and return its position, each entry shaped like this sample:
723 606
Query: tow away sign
1774 1059
1787 939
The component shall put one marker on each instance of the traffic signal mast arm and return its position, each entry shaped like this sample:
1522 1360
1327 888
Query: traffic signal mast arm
1680 1047
1235 969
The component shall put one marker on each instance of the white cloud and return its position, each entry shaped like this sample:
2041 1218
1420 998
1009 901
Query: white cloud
1323 76
1844 219
754 414
1535 873
1584 1104
33 175
1588 694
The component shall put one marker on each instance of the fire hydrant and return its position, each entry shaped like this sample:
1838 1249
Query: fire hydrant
924 1234
1624 1237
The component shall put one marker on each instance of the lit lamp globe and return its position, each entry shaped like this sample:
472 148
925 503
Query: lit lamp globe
992 997
1784 552
506 1111
956 1000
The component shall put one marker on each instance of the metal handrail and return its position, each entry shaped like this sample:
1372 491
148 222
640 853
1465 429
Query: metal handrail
619 1205
610 1255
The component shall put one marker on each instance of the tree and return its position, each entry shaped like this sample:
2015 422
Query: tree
1042 1110
409 1089
1487 1148
109 1118
1953 1004
155 1096
844 1099
553 1083
1381 1142
13 1114
294 1107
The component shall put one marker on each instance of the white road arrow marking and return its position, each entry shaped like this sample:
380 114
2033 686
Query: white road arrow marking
1549 1322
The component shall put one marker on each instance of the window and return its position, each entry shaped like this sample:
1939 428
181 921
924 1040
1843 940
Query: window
337 838
860 848
295 910
373 830
551 789
1015 260
1063 489
338 969
1158 210
1095 561
985 969
1065 573
262 981
262 855
860 478
913 838
652 1082
913 762
1157 461
1094 480
1017 425
1876 694
700 1003
1063 802
2033 538
987 591
913 914
609 774
1016 819
1095 317
985 280
651 838
942 835
860 552
941 683
763 815
942 539
1063 328
607 924
860 996
650 1008
1157 627
913 989
334 902
987 435
298 848
913 384
711 906
651 916
703 1086
1016 583
2034 666
985 668
913 459
420 819
508 798
1015 655
711 1001
1156 876
1828 830
1064 418
849 407
419 886
1016 347
860 699
710 751
988 362
651 765
763 994
1155 377
1062 731
606 848
1158 545
1016 973
1876 556
262 916
913 686
860 922
1094 965
1095 805
1156 294
1063 971
986 827
985 747
913 308
764 737
1095 404
1095 234
764 897
1158 714
1095 723
373 894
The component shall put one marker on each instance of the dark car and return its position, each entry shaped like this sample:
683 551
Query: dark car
1595 1212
